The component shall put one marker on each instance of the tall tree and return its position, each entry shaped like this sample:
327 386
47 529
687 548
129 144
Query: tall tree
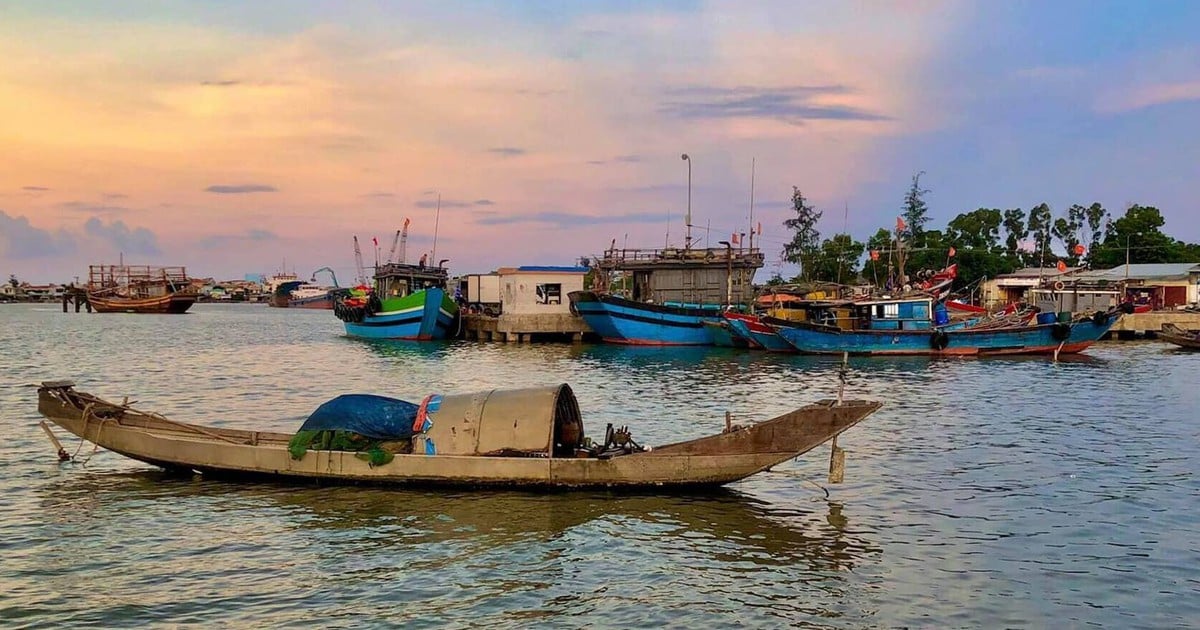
915 212
838 260
1066 230
978 229
875 269
1040 223
805 243
1094 215
1138 233
1015 230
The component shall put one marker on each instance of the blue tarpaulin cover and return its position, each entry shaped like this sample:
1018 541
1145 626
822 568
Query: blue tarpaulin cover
377 417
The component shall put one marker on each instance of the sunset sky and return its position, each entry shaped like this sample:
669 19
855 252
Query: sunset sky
229 136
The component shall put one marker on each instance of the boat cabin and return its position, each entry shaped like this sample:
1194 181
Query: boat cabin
717 275
401 279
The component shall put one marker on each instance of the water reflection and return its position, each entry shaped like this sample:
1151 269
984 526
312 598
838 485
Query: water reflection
818 536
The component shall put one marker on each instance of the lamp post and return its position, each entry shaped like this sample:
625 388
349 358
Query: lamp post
688 221
728 273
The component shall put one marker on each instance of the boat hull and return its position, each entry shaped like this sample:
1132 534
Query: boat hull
1038 339
710 461
618 320
174 303
724 336
762 335
421 316
319 302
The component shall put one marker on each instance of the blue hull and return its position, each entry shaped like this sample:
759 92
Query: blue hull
768 341
1040 339
424 322
723 336
618 320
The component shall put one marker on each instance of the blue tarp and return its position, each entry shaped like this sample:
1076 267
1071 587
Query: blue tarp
377 417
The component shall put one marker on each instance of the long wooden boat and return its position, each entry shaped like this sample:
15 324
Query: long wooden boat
139 289
1181 337
530 437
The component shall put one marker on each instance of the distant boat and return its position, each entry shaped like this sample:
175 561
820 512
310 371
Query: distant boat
674 297
139 289
904 328
406 302
1181 337
530 438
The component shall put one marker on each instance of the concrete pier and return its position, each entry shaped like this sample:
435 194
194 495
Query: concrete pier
525 328
1148 324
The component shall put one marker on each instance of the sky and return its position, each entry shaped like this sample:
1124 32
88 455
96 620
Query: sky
238 138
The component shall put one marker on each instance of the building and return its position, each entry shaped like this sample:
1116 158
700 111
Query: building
538 289
1012 288
516 303
1158 285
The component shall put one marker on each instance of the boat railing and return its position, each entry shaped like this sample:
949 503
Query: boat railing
617 257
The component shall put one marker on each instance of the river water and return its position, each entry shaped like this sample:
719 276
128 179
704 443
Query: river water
986 493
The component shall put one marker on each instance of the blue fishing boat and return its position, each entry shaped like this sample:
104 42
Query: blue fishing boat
669 294
724 336
893 334
618 320
406 302
760 334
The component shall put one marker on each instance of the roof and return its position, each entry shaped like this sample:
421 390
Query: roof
542 269
1148 271
1036 272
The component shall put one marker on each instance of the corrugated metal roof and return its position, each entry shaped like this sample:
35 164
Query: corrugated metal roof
1145 271
1035 272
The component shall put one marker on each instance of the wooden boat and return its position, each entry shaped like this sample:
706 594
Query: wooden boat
530 437
139 289
1181 337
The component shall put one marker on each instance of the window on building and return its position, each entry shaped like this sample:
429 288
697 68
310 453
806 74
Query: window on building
549 293
891 310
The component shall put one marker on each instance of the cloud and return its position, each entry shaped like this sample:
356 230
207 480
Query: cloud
625 159
452 203
115 196
1149 96
217 241
35 188
379 195
792 105
225 83
20 240
564 219
87 207
130 241
507 151
484 202
235 189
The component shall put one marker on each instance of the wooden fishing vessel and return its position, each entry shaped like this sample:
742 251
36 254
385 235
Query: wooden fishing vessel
1181 337
139 289
530 437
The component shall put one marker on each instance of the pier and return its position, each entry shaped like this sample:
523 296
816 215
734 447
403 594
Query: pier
527 328
1148 324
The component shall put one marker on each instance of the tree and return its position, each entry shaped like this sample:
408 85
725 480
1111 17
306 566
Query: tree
978 229
838 259
1066 230
915 212
1016 231
1139 231
1039 227
1094 215
876 271
13 282
806 239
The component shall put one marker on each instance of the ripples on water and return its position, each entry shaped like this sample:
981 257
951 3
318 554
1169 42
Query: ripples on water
986 492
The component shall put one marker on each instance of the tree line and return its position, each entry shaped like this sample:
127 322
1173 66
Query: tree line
984 242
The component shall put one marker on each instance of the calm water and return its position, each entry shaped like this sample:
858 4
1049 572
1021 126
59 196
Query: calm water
985 493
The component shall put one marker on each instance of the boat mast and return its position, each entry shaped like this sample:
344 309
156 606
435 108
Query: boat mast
752 160
436 218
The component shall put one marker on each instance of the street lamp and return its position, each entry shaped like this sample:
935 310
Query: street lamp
688 221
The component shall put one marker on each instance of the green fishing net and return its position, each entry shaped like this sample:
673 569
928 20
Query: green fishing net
363 448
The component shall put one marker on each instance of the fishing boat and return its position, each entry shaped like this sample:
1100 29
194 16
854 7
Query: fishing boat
528 437
290 292
1181 337
724 336
669 294
890 328
405 302
761 334
139 289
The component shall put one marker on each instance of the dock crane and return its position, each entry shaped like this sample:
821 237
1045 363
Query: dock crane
331 275
401 240
358 263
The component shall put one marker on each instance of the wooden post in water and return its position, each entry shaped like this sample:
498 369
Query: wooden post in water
837 455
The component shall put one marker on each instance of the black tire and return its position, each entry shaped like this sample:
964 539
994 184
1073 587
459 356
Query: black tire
374 304
1060 331
1100 318
574 309
939 340
1127 308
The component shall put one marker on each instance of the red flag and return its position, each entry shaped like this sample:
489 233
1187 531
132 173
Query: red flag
874 254
734 239
1062 267
406 220
375 240
952 252
900 224
1079 250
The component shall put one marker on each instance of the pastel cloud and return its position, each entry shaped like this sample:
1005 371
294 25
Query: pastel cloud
20 240
137 240
235 189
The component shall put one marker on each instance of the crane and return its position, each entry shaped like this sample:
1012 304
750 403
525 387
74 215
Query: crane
400 239
358 263
331 275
